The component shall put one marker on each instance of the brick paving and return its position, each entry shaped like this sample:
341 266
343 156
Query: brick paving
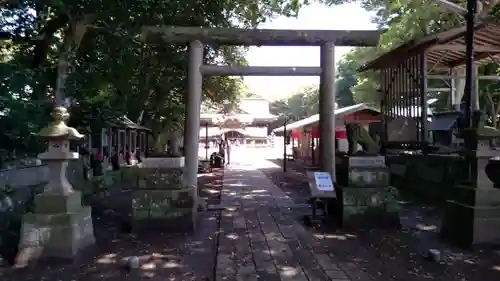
260 240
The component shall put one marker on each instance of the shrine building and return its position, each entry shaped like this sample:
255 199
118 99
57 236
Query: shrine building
247 125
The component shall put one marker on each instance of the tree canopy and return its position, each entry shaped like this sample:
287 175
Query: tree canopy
406 20
403 20
89 55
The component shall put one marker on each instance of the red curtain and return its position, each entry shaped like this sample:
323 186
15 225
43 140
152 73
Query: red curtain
338 134
296 134
315 132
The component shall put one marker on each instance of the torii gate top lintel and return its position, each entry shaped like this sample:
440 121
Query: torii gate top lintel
261 37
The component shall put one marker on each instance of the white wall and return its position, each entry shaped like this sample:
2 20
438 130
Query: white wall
212 131
257 107
257 131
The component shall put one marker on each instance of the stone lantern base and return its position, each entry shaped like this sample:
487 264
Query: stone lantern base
59 228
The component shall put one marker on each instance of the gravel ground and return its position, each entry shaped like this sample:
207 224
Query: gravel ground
395 254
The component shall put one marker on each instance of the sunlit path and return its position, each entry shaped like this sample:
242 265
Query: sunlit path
259 238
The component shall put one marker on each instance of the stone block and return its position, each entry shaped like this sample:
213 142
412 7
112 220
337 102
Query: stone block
163 205
363 205
371 177
163 162
60 235
52 203
472 216
160 178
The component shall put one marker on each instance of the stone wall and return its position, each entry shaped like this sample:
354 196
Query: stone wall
428 177
367 198
162 199
37 175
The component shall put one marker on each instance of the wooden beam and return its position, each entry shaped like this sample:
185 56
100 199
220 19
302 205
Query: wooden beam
261 37
480 77
451 7
226 70
461 61
461 48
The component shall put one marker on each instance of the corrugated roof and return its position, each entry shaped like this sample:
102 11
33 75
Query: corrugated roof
339 113
487 37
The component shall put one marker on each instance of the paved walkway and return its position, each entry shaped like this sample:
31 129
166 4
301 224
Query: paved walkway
260 240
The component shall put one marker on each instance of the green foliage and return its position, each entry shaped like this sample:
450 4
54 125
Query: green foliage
406 20
110 72
302 104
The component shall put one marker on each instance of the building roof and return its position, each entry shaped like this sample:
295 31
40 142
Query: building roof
253 96
207 118
487 44
339 113
125 123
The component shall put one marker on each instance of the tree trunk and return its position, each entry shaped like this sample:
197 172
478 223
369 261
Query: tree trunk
72 39
62 74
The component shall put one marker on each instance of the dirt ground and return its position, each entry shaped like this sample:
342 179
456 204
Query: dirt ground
395 254
172 256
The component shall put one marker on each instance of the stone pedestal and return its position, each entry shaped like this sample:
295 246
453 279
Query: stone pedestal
60 225
472 211
59 228
368 201
162 201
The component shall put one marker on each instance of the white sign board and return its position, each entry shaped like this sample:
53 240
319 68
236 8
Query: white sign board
323 181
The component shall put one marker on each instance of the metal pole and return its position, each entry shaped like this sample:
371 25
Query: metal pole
312 149
327 109
284 146
469 89
206 141
469 61
192 128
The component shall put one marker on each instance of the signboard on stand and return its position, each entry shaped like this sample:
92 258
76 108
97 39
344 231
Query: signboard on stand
321 185
323 181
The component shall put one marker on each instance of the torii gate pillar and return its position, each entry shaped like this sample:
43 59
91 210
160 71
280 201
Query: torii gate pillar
327 109
193 106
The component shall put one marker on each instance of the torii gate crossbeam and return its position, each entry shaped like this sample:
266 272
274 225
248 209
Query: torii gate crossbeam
197 36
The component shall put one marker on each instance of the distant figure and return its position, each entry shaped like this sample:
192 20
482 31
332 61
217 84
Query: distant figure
128 156
115 160
222 152
138 155
228 149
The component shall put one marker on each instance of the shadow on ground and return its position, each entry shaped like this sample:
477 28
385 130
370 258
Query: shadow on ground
393 254
170 256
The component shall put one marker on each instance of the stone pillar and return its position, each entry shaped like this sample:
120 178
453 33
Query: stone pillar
472 210
60 225
192 124
475 89
458 82
327 109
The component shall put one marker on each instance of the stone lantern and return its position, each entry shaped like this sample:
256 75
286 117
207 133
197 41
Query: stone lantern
60 225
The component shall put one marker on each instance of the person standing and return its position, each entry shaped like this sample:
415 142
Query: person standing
228 149
222 150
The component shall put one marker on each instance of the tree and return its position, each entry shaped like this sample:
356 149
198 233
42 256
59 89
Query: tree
301 104
353 86
406 20
89 51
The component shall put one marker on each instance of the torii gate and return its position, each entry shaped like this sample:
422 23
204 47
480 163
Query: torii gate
196 37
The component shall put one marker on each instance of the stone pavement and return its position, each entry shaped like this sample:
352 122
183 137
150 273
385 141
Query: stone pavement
260 240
